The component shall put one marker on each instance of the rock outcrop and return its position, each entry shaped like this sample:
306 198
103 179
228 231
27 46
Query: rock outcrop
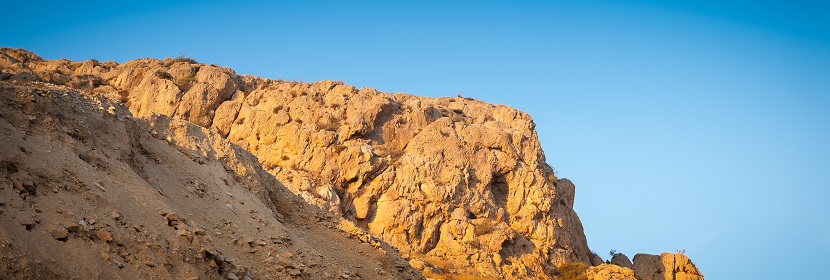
675 266
88 191
456 185
622 260
610 272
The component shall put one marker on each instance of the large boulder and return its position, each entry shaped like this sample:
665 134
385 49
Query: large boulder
621 259
648 267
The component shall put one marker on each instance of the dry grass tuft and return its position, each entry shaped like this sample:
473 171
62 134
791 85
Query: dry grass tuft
186 83
163 75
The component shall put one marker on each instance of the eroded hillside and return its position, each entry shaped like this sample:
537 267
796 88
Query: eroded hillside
90 192
458 186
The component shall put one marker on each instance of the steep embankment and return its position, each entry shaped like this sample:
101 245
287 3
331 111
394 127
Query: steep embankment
88 191
458 186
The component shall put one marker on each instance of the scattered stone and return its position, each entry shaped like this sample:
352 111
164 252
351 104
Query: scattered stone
171 218
86 226
59 233
295 272
103 236
29 224
99 186
72 227
232 276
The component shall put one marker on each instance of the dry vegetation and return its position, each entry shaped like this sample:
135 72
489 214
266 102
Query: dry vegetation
163 75
186 83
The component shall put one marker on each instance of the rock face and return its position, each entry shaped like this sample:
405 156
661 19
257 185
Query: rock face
648 267
596 260
88 191
622 260
458 186
675 266
610 272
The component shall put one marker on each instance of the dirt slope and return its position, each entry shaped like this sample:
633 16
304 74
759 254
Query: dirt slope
87 191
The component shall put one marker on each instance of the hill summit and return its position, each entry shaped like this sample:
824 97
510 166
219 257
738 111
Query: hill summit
176 169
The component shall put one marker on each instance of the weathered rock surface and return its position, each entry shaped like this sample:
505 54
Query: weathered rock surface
675 266
596 260
610 272
621 259
648 267
679 267
458 186
458 183
91 192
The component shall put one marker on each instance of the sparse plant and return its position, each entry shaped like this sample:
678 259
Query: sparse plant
163 75
182 58
186 83
612 252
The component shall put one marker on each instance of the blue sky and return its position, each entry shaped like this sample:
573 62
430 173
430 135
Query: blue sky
696 125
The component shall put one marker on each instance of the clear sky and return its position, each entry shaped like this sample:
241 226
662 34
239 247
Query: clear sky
696 125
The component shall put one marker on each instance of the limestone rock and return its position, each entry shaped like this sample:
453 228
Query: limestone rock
399 164
678 266
460 186
60 144
610 272
648 267
665 266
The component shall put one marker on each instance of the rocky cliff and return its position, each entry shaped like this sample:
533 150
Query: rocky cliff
456 185
90 192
